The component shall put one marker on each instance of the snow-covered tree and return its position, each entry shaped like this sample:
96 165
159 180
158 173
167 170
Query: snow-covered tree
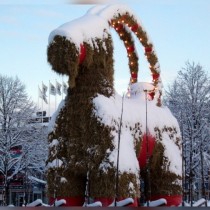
18 138
189 100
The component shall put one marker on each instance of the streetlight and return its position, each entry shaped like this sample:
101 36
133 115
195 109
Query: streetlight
118 152
148 189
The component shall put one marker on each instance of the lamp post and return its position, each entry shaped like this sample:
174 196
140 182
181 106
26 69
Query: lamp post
118 152
183 161
26 180
148 188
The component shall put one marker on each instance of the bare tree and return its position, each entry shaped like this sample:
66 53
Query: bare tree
189 99
16 133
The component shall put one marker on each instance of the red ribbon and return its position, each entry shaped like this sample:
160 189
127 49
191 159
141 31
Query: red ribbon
119 27
142 156
135 27
148 49
82 54
155 76
152 94
130 48
134 75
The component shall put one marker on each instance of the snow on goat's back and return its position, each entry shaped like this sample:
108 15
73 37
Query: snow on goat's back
109 110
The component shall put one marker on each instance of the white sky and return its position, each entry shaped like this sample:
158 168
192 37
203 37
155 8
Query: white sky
179 29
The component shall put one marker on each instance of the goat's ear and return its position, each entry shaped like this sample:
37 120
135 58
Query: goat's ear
63 56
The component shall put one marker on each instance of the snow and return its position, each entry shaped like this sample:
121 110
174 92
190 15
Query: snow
200 202
108 111
82 29
172 151
54 142
186 204
95 204
63 180
51 124
37 180
159 202
55 163
60 202
131 187
37 202
124 202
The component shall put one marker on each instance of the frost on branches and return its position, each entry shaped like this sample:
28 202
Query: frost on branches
84 135
189 99
22 145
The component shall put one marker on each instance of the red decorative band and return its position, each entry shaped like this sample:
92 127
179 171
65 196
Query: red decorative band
148 49
155 76
119 27
134 75
152 94
130 49
82 54
142 157
135 27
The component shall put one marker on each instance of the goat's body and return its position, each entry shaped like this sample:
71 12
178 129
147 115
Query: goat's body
87 144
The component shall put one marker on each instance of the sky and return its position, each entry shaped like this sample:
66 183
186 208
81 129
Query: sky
179 30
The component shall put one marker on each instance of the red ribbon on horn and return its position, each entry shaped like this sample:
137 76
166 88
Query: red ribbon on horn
135 27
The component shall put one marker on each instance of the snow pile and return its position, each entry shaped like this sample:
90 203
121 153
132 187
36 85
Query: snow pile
35 203
95 204
200 202
186 204
159 202
10 205
60 202
121 203
108 111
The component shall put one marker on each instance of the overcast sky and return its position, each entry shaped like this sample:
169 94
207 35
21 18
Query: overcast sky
179 29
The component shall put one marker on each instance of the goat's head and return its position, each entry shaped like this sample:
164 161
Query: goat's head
72 47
